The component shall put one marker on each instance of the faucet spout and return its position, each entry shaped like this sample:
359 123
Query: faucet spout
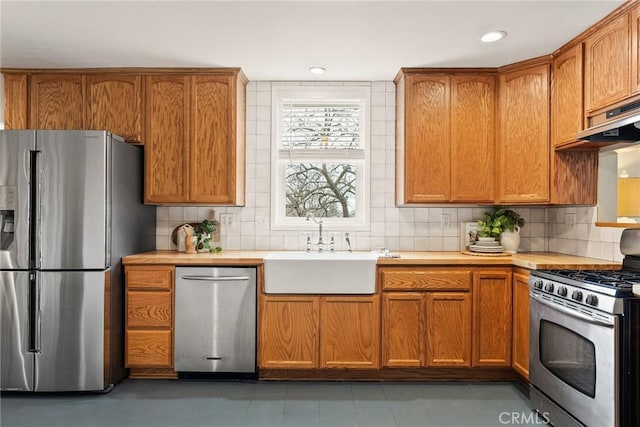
319 222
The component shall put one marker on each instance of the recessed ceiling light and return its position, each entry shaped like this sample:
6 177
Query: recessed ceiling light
493 36
317 70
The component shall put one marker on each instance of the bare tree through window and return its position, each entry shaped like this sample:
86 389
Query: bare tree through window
326 189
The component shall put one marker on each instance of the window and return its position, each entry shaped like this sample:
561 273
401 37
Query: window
320 157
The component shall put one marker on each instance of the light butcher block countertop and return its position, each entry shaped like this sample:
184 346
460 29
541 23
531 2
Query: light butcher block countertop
531 260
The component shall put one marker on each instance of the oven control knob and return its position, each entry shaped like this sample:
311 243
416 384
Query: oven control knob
576 295
592 300
562 291
549 287
537 284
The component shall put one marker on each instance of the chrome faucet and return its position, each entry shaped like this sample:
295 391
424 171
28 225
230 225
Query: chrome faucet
320 242
346 237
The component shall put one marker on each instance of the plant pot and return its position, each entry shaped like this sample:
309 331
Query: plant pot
510 240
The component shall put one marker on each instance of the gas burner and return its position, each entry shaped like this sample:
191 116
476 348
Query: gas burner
607 278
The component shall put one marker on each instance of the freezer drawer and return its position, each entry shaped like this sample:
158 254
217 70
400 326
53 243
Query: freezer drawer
16 360
215 320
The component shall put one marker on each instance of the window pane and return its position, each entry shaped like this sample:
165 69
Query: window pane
327 190
307 125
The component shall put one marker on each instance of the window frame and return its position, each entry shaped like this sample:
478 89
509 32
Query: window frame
280 157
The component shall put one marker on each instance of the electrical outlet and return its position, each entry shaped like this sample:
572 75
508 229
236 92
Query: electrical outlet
445 220
570 220
226 219
260 220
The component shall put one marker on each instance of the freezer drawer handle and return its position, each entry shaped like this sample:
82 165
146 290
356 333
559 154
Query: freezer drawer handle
217 279
213 358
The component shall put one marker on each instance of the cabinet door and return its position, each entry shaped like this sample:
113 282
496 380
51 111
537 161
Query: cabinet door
574 177
472 138
212 150
492 318
167 144
288 331
350 332
635 50
448 319
567 96
149 349
57 101
608 65
427 139
15 101
114 103
523 147
520 346
403 329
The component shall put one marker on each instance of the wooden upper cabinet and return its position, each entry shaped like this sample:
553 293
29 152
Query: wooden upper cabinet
212 139
114 103
566 96
635 50
445 137
472 138
608 65
492 321
427 139
167 132
16 101
57 101
523 143
195 138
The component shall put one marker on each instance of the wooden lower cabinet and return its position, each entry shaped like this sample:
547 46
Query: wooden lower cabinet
492 317
288 332
149 317
520 346
426 329
448 329
308 332
403 329
350 332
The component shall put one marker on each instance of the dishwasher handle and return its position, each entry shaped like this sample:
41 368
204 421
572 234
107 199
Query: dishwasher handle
217 279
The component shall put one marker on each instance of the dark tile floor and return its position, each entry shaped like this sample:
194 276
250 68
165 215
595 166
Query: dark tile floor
196 403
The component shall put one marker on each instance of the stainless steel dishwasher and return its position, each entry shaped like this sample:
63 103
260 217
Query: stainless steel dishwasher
215 319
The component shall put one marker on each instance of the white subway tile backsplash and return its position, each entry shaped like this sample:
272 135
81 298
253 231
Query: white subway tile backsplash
176 213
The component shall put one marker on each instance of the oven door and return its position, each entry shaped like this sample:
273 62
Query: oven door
573 360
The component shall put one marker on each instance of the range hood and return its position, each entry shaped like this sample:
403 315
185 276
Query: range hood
613 129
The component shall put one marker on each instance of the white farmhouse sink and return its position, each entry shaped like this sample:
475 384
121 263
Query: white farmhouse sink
320 273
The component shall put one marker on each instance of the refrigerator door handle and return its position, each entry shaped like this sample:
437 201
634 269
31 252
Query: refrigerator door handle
35 317
35 222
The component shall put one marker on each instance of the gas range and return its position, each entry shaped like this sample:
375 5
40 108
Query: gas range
596 289
585 338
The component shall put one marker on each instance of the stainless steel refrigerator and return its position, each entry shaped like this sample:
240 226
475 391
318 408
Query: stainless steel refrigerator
71 207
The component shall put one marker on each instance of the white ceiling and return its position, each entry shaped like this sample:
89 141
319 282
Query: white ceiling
280 40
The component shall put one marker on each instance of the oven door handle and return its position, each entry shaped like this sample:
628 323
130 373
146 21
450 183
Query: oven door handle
573 313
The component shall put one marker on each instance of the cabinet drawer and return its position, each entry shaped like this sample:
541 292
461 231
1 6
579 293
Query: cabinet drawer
425 279
149 349
149 277
148 309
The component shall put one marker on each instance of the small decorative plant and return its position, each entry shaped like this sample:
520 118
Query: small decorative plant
499 219
204 231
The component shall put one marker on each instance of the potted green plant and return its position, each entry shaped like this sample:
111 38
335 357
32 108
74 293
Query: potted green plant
503 223
204 232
